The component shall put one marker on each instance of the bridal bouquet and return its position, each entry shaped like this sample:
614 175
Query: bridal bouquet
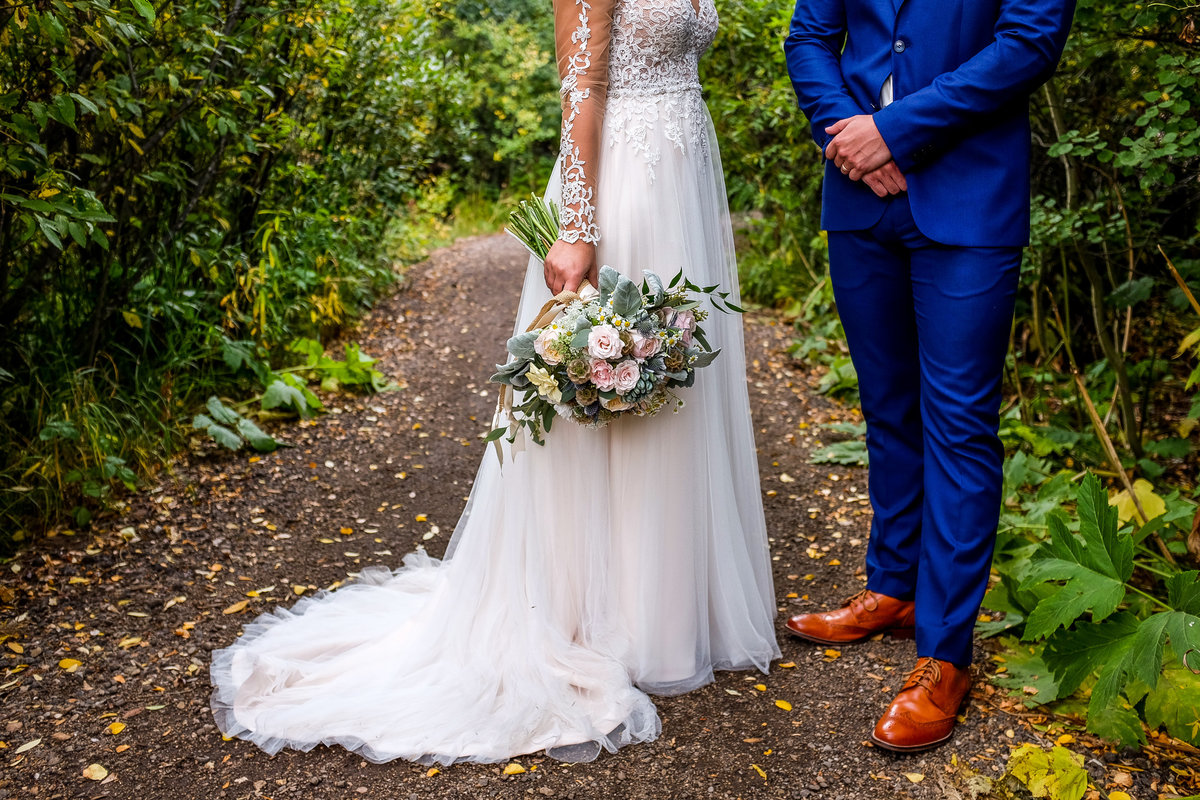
601 353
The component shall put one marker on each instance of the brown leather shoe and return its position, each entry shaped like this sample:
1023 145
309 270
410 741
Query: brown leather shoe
863 615
924 712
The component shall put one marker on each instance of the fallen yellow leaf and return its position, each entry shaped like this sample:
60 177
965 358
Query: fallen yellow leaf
1066 738
915 777
760 771
240 605
298 589
787 665
16 648
762 687
346 531
792 595
95 772
116 727
784 704
128 642
1118 796
833 653
422 518
121 748
432 771
70 664
514 769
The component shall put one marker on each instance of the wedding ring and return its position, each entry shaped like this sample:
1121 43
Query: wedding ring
845 169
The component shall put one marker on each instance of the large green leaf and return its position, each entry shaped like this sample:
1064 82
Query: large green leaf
221 412
1094 566
1076 653
1026 672
258 439
1117 724
1183 592
1175 703
280 394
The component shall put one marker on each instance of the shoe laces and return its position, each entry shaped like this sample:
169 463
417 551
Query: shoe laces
927 674
866 598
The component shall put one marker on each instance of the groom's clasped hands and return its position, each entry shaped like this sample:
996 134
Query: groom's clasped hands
860 152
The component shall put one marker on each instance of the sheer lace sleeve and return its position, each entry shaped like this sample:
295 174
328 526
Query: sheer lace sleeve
582 30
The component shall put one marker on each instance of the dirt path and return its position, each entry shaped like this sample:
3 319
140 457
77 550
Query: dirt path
140 603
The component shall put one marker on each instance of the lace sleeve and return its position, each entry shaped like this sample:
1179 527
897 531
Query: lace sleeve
582 30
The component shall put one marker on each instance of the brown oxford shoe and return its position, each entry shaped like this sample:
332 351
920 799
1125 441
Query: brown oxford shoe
925 711
864 615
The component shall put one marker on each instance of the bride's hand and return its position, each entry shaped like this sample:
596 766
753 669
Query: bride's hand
568 264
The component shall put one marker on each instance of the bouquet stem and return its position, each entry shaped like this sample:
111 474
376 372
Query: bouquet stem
535 224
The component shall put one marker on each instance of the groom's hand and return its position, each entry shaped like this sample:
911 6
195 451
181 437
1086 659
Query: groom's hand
886 180
857 148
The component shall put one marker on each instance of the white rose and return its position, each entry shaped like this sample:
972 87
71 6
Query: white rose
604 341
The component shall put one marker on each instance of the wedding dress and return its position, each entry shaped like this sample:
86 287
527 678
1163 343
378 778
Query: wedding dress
607 564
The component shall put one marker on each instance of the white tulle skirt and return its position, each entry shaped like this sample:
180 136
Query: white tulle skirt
582 575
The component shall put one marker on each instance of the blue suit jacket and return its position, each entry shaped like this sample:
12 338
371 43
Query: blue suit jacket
959 126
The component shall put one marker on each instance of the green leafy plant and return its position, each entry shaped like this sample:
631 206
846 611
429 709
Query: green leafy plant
1109 614
231 430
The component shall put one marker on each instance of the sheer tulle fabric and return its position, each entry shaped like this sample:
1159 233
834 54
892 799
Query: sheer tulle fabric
581 575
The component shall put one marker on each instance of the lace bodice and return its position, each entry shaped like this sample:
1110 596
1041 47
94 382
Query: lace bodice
657 44
636 62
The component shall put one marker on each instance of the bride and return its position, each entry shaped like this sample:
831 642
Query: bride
608 564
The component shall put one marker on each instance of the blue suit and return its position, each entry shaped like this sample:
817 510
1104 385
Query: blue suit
925 281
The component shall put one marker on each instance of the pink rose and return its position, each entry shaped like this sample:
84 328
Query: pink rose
685 321
604 341
626 376
645 346
546 346
603 375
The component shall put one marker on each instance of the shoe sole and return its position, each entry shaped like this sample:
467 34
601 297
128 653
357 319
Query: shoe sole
916 748
895 633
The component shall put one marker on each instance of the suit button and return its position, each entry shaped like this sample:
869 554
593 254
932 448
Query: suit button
899 46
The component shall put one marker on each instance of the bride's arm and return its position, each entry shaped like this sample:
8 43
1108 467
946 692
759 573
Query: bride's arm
582 29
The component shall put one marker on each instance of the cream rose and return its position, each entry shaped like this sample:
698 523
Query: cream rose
604 341
626 376
615 404
546 346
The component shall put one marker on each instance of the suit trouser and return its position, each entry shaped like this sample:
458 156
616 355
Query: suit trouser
928 327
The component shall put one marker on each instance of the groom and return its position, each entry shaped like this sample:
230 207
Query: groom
921 108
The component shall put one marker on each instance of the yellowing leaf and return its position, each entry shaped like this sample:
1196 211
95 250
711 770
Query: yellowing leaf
16 648
787 665
132 319
345 531
1066 738
298 589
1152 504
70 664
514 769
760 771
95 772
116 727
432 771
1118 796
121 748
833 653
128 642
762 687
240 605
422 518
792 595
784 704
915 777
